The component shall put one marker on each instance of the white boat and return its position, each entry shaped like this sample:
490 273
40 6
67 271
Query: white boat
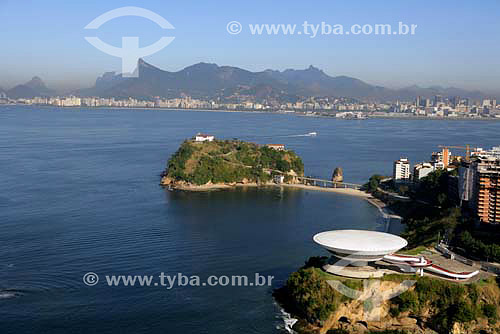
312 133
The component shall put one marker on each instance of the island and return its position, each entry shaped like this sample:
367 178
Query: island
204 163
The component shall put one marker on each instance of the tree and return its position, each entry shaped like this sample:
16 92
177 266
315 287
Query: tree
373 183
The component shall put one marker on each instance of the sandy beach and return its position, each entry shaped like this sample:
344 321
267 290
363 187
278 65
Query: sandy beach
344 191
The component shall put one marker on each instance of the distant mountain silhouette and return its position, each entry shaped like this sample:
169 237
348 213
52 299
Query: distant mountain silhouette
204 80
34 87
210 81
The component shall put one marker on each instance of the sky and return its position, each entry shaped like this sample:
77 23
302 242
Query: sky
456 42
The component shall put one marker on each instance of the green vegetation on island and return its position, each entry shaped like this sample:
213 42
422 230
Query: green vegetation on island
229 162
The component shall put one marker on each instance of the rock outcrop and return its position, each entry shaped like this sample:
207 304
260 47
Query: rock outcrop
338 175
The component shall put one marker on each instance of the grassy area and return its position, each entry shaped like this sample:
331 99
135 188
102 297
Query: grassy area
414 251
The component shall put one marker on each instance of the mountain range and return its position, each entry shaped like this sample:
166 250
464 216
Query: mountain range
210 81
34 87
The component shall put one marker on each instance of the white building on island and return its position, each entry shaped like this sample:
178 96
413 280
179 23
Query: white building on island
203 137
277 147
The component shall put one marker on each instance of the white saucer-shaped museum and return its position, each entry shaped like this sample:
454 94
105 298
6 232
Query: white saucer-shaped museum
359 246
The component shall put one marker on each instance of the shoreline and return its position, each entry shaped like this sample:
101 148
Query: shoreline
298 114
390 218
344 191
221 186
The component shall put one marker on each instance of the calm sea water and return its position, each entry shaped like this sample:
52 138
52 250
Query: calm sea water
79 193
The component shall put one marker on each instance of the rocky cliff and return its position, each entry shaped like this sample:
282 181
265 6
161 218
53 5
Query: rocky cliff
431 305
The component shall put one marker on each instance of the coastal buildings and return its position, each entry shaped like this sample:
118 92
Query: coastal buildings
401 170
441 159
339 107
422 170
494 153
479 187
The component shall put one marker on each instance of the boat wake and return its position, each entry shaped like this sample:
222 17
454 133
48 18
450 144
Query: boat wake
310 134
8 294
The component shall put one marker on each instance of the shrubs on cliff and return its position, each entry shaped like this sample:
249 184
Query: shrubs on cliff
308 294
177 163
449 303
311 296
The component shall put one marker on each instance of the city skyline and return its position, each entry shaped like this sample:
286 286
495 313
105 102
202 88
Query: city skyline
435 55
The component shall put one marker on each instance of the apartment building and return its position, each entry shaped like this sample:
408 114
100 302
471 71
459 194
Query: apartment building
401 170
488 191
422 170
479 186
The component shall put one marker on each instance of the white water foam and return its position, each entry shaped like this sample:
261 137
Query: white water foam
288 321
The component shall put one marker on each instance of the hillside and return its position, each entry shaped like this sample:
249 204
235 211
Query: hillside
227 162
430 306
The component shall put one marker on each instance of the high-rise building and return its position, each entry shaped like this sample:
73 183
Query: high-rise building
441 159
488 192
419 102
401 170
479 184
437 100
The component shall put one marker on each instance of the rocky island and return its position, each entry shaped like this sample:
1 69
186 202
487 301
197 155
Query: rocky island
204 163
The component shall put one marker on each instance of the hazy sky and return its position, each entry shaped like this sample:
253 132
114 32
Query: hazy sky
457 43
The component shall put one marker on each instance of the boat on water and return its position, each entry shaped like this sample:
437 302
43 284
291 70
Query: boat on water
312 133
